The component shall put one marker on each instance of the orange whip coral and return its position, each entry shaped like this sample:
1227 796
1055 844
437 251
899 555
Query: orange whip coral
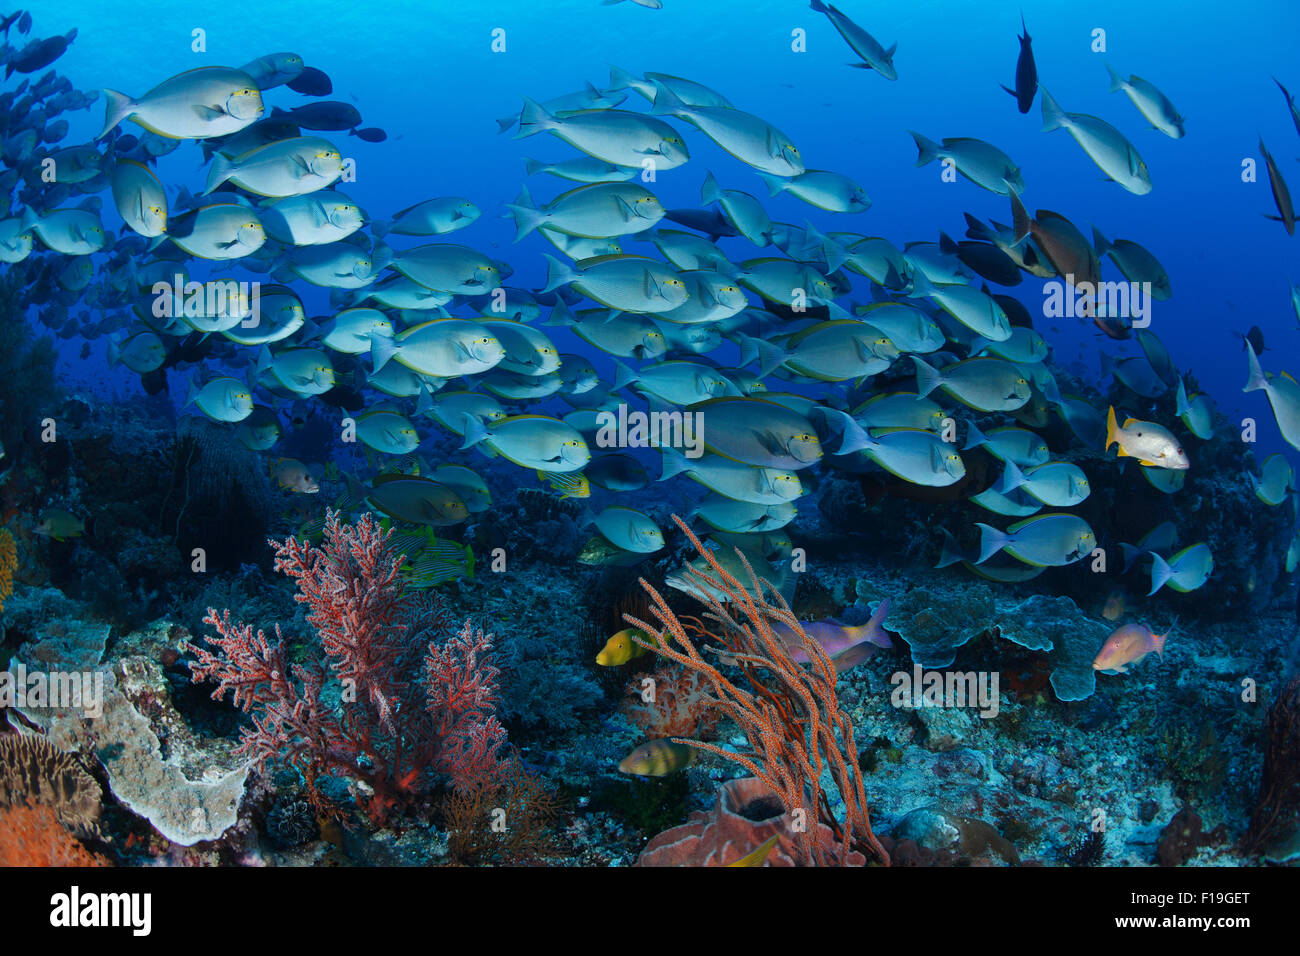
793 719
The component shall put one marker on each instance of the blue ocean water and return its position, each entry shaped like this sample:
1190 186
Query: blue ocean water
436 76
427 72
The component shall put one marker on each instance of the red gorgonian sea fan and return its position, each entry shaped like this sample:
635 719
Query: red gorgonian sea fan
410 704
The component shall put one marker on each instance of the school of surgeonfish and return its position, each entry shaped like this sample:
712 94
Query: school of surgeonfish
785 349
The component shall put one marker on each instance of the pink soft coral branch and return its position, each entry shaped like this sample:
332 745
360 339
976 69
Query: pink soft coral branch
403 720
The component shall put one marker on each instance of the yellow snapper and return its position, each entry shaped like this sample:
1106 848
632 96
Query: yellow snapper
1151 444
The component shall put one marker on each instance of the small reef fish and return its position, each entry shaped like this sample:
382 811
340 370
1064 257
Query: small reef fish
1126 646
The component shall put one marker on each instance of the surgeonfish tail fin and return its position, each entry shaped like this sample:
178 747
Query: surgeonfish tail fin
770 357
1256 381
991 541
1116 81
222 169
620 79
818 7
624 376
977 230
380 228
775 184
117 107
1161 572
951 554
1099 242
1112 429
710 191
533 166
674 463
927 378
533 119
927 150
557 273
1012 478
475 431
666 102
527 218
1053 116
382 348
974 437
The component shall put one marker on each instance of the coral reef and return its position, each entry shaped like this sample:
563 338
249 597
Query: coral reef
793 720
386 729
34 771
745 814
1276 818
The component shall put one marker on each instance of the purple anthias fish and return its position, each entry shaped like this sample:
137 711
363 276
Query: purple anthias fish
847 646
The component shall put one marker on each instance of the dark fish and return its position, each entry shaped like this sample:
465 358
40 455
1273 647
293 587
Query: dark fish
1017 313
330 115
348 399
154 382
7 22
1290 102
708 221
1281 195
25 23
311 82
371 134
985 258
39 54
1026 71
1255 339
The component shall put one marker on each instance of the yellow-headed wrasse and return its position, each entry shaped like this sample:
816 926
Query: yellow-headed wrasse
1185 571
846 646
621 648
1151 444
657 758
1127 645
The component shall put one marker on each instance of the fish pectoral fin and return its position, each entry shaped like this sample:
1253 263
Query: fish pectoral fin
208 113
652 289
